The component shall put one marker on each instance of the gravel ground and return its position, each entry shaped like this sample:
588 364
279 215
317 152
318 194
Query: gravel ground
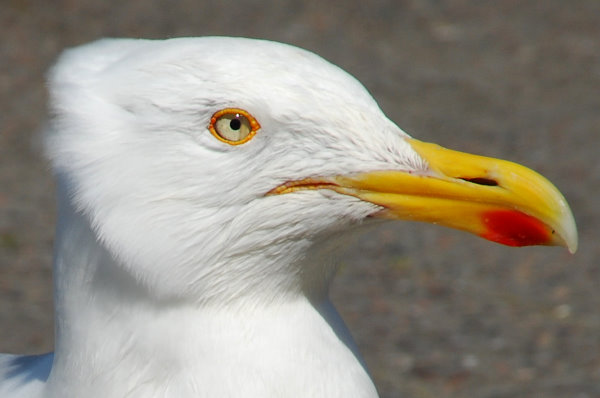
437 313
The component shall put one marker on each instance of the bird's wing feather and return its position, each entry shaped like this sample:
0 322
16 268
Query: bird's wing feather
24 376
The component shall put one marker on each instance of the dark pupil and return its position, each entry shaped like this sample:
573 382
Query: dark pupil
235 124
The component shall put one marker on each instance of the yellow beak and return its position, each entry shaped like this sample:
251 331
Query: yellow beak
495 199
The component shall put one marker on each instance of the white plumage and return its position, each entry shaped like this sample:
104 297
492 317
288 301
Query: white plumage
177 274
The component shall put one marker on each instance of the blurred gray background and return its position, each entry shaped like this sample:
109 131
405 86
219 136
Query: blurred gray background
437 313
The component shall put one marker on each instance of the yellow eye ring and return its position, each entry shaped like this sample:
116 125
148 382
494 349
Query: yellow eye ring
233 126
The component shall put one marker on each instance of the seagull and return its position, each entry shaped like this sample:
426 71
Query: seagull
204 186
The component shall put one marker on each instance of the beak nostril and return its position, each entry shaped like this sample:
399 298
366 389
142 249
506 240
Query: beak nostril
482 181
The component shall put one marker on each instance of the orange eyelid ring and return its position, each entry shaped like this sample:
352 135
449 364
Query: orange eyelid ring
233 134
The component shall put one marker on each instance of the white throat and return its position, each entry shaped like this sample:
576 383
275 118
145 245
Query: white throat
114 339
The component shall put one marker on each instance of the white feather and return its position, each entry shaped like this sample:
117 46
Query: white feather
175 275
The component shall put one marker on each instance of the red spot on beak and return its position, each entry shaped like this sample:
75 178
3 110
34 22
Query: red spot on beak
513 228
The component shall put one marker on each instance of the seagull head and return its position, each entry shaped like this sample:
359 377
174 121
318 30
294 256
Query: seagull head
219 168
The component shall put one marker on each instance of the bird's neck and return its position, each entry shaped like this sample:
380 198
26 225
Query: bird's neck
114 340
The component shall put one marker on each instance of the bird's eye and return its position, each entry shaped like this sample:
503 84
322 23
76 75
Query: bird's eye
233 126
